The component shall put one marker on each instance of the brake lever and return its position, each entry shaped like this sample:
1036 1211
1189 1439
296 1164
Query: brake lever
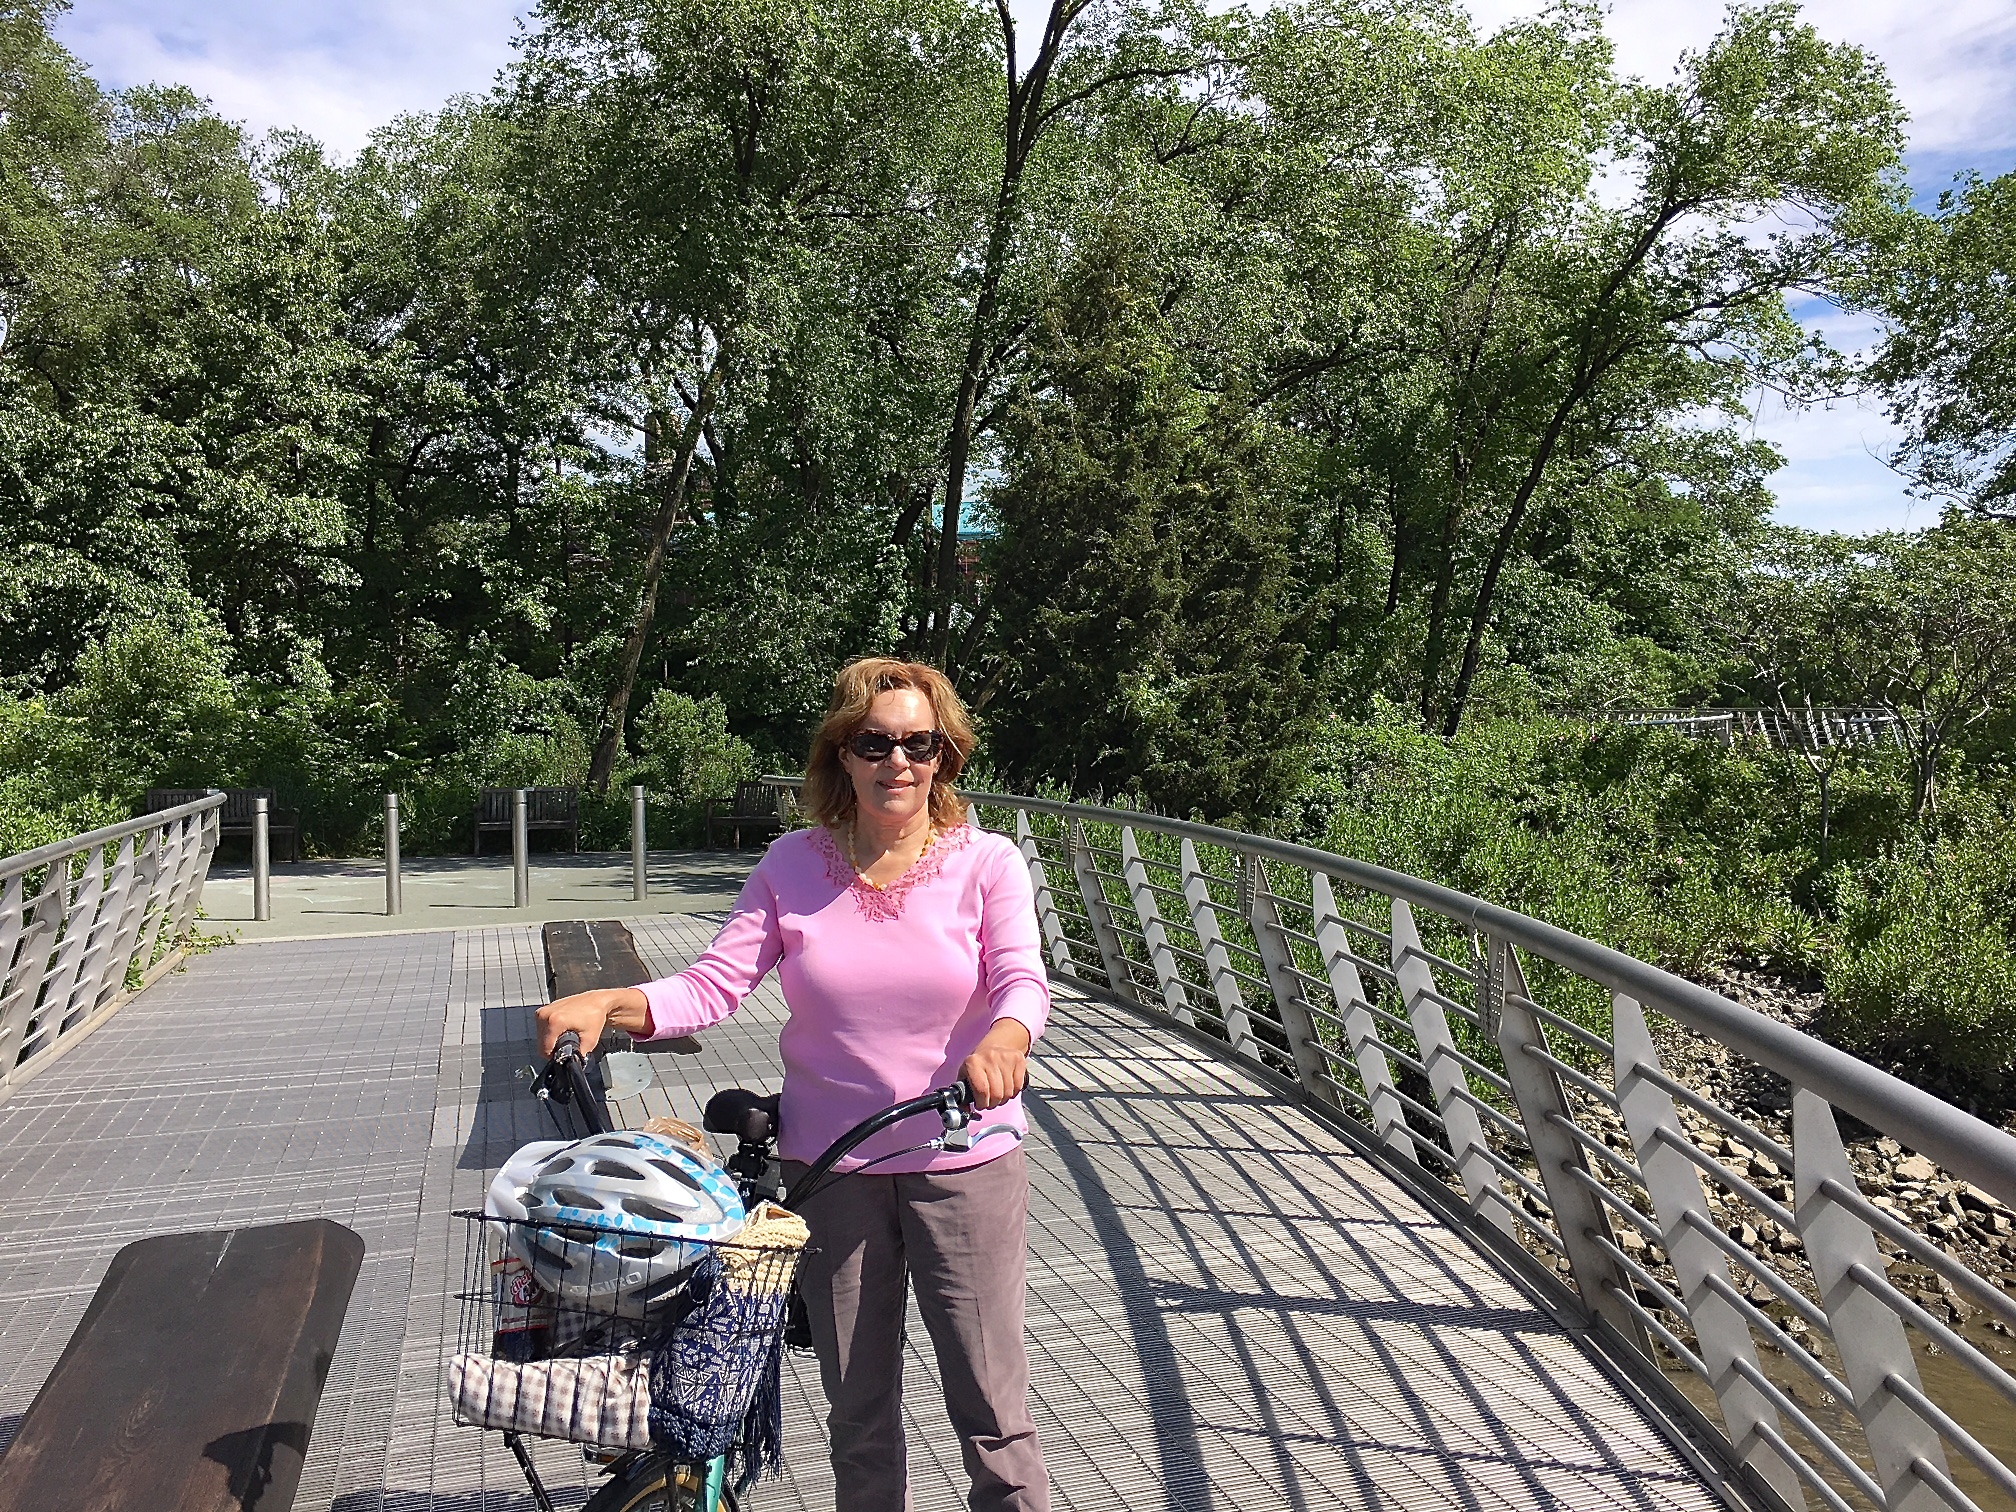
952 1108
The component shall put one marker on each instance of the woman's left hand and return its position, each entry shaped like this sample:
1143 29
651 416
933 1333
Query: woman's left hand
999 1065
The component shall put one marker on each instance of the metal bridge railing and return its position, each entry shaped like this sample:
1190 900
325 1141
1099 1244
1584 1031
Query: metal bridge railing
1520 1065
84 920
1798 729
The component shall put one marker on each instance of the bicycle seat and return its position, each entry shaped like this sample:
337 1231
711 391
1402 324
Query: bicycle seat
750 1118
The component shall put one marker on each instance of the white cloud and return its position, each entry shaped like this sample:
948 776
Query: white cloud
335 72
1950 62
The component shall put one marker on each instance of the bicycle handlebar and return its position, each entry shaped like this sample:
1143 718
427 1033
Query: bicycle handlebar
567 1080
953 1103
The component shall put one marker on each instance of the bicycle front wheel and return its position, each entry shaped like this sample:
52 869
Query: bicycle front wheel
652 1483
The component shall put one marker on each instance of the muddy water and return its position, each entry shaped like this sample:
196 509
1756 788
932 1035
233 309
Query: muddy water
1975 1405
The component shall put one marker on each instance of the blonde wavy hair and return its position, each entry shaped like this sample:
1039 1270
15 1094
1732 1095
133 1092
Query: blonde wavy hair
828 796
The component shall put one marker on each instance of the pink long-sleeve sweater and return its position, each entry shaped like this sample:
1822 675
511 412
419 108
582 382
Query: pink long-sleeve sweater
889 989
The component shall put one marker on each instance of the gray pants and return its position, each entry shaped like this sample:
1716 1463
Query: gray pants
960 1236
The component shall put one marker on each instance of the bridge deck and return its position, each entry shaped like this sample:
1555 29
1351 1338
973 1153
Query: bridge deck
1229 1308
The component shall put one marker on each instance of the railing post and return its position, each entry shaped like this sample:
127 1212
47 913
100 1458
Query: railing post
135 866
195 843
1093 890
105 933
1580 1218
1674 1185
394 901
640 886
1460 1123
1175 996
1389 1119
1054 937
262 863
22 975
1869 1335
521 859
79 914
1278 956
1217 960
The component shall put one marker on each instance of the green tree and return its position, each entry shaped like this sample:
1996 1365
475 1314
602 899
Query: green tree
1145 645
1946 283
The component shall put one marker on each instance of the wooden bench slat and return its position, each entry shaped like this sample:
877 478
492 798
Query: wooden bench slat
191 1383
581 957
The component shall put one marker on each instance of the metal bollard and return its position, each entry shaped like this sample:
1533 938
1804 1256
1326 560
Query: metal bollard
640 889
262 862
393 902
521 860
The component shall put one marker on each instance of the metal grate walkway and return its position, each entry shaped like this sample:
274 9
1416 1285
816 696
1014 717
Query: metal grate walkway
1228 1307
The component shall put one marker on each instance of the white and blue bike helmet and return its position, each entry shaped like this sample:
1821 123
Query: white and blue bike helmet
615 1220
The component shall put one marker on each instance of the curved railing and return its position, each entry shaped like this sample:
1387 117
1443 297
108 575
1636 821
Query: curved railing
85 920
1735 1244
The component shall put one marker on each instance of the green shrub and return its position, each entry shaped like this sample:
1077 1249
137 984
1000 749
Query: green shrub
1925 972
684 749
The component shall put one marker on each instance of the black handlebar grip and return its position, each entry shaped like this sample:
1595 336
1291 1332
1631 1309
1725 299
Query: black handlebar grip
963 1090
567 1047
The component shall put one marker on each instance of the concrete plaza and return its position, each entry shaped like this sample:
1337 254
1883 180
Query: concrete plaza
325 898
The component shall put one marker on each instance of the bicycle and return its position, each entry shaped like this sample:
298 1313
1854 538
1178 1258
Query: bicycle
652 1479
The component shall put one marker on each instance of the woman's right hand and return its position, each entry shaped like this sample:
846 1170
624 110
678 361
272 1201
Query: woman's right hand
589 1013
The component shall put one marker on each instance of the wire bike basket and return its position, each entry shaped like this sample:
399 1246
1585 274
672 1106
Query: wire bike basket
617 1351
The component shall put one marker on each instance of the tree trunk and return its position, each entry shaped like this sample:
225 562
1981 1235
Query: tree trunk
1023 127
616 711
1438 611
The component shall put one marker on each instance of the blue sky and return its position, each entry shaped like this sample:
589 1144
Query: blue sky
339 68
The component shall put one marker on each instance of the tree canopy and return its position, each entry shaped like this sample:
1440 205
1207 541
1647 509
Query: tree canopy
1178 377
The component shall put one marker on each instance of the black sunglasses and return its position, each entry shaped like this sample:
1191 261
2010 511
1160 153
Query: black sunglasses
877 745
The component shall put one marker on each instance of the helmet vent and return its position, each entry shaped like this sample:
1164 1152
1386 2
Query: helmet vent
638 1208
611 1168
678 1174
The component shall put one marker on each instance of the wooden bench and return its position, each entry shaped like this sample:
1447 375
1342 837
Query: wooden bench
755 809
192 1381
582 956
554 810
234 820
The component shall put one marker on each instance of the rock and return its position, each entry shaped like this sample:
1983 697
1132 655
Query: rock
1889 1146
1631 1241
1763 1168
1945 1224
1916 1168
1786 1242
1981 1202
1743 1234
1759 1293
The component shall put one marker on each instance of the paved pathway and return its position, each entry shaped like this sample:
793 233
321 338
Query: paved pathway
1229 1308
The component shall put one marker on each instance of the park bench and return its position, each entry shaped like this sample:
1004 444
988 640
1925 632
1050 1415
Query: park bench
191 1383
556 810
582 956
755 809
234 820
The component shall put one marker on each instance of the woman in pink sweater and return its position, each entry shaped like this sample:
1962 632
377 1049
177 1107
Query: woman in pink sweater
905 942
